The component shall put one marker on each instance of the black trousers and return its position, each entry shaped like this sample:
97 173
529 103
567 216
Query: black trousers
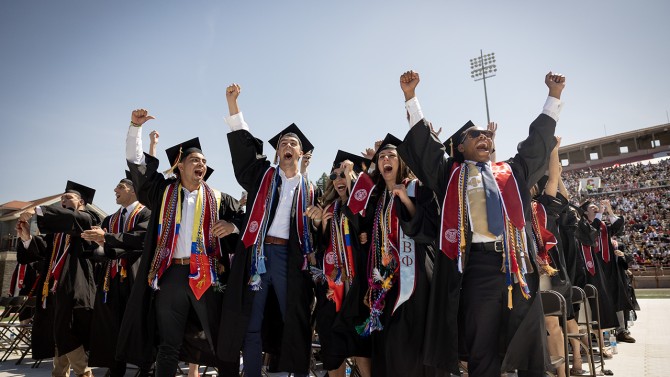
483 298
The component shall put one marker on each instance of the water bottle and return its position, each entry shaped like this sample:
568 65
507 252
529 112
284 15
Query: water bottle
606 338
347 371
613 344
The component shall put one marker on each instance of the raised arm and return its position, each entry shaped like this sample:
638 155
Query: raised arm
554 171
153 137
134 152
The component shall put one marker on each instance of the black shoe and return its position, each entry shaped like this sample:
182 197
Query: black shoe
624 337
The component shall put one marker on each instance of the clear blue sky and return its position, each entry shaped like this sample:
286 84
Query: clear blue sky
72 71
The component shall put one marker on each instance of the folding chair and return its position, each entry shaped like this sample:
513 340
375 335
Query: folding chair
579 297
12 332
554 305
592 296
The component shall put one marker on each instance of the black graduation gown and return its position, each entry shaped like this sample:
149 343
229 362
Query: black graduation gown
524 336
75 292
574 260
29 287
560 282
337 332
397 350
614 284
138 336
289 340
107 315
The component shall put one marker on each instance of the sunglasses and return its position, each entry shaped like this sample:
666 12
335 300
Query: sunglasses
476 133
333 175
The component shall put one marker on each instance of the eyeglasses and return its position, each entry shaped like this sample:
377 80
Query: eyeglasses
333 175
476 133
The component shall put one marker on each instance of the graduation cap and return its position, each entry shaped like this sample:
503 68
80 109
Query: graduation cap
293 131
585 206
452 143
86 193
389 142
179 152
360 163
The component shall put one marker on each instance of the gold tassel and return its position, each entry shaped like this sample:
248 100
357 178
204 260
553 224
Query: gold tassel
170 171
509 297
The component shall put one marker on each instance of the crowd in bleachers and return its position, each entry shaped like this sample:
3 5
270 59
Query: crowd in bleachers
641 193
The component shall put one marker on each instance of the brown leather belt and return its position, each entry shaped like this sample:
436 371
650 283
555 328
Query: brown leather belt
275 241
181 261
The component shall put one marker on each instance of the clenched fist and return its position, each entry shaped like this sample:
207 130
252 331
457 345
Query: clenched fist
140 116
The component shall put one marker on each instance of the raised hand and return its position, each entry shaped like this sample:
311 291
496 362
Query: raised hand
23 230
304 162
232 92
432 130
556 83
408 82
368 153
140 116
153 136
493 127
27 215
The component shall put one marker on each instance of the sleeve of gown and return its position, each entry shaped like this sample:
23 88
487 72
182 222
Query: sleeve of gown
533 153
616 227
56 219
35 251
230 211
424 225
424 154
249 163
149 182
118 245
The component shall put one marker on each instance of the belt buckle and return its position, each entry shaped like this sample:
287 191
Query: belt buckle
498 246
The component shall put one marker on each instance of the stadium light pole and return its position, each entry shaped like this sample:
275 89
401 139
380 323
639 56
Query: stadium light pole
483 67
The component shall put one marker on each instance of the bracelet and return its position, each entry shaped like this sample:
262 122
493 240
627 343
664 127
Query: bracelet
134 124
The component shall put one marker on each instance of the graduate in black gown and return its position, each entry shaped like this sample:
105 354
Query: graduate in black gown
600 263
24 283
67 291
269 293
119 242
174 308
483 274
398 212
342 261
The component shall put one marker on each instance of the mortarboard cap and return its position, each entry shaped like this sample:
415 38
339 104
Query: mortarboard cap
292 130
86 193
585 206
178 152
360 163
389 142
452 143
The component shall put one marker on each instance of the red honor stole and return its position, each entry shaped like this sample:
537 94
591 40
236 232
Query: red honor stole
588 259
61 244
257 225
360 193
604 245
454 225
17 279
454 208
545 239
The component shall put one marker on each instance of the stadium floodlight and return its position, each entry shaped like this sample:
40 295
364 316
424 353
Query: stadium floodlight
483 67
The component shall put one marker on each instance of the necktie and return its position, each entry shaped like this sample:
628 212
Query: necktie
493 209
122 221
